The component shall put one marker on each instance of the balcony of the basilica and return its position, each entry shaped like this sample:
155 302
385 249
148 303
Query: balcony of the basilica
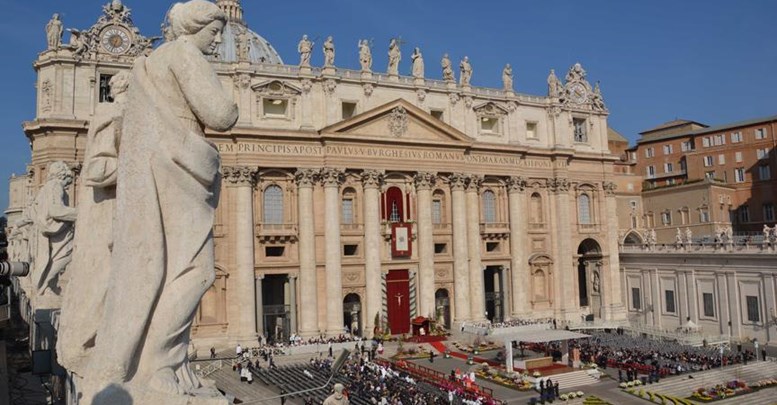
276 232
588 228
494 230
443 229
351 229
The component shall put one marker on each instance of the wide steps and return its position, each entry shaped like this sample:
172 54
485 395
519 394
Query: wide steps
573 379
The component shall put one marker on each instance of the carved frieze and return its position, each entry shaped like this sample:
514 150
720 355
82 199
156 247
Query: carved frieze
558 185
454 98
421 93
516 183
46 90
425 180
330 85
276 88
307 84
474 182
457 181
239 175
609 188
490 109
332 177
306 177
398 121
372 179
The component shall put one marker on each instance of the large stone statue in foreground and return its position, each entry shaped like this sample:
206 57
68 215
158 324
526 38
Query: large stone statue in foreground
167 190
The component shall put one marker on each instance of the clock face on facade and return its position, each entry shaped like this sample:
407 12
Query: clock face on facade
115 40
578 93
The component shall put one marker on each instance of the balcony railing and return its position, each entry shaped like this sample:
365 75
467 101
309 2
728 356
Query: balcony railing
588 228
276 231
537 226
351 229
442 228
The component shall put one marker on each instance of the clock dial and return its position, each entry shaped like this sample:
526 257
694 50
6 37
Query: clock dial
115 40
578 93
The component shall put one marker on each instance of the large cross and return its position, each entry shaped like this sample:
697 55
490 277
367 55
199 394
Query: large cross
399 299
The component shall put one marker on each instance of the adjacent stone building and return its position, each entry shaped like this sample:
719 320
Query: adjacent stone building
351 196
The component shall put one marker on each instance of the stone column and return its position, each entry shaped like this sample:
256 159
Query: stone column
460 253
612 297
308 284
242 180
476 292
293 303
332 179
424 183
564 291
372 181
259 305
519 218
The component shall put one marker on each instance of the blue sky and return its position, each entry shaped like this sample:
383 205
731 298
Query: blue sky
710 61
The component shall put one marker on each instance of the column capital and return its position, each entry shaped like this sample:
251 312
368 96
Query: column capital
240 175
558 184
457 181
516 184
292 277
474 182
259 277
372 178
306 177
332 177
609 188
425 180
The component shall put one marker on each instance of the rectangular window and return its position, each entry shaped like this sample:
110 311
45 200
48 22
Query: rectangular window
436 114
350 250
744 214
649 152
667 149
760 133
492 246
739 174
633 204
636 302
440 248
489 125
347 211
686 146
105 89
581 130
720 140
710 174
436 211
709 305
275 107
666 218
349 109
738 157
705 142
764 172
769 212
762 153
274 251
753 310
669 298
651 171
736 137
670 182
531 130
708 161
721 159
668 168
704 216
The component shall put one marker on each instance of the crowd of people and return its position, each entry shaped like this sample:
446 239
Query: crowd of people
512 323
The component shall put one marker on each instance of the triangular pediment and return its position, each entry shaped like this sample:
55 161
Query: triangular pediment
399 121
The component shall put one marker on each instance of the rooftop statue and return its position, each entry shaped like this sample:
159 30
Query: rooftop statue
54 31
365 55
555 88
82 306
305 48
507 77
466 71
447 69
395 56
418 63
329 52
52 220
168 186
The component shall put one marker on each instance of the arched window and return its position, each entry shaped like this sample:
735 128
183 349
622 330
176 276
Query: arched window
536 209
273 205
395 207
489 207
584 208
438 207
348 206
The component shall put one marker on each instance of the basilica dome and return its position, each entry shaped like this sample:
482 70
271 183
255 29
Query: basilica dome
259 50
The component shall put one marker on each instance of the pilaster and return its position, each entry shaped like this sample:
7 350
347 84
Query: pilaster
332 179
372 181
308 284
476 292
424 183
460 253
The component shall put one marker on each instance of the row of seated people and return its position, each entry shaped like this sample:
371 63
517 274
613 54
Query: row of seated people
511 323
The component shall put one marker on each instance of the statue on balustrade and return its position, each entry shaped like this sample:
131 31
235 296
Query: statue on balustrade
507 78
305 48
54 32
365 55
447 69
418 63
167 189
329 52
395 55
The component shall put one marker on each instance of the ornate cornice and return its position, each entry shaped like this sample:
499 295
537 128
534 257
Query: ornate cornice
516 183
458 181
372 179
306 177
558 185
331 177
425 180
240 175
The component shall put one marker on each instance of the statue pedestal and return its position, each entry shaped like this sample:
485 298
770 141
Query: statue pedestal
366 75
328 71
419 81
450 85
466 88
393 78
509 93
306 70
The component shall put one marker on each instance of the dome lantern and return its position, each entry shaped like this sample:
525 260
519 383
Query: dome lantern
233 9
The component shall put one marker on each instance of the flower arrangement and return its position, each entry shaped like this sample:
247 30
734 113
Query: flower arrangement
536 374
507 379
769 382
721 391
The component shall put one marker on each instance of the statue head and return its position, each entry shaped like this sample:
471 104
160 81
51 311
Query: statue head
59 171
55 16
305 37
116 5
199 22
119 83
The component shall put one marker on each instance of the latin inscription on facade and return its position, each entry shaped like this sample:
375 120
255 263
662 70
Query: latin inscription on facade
384 152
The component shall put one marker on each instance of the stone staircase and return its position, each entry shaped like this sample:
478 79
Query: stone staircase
567 381
682 386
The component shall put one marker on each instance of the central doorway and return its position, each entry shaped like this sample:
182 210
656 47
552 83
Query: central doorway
398 299
277 316
493 277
